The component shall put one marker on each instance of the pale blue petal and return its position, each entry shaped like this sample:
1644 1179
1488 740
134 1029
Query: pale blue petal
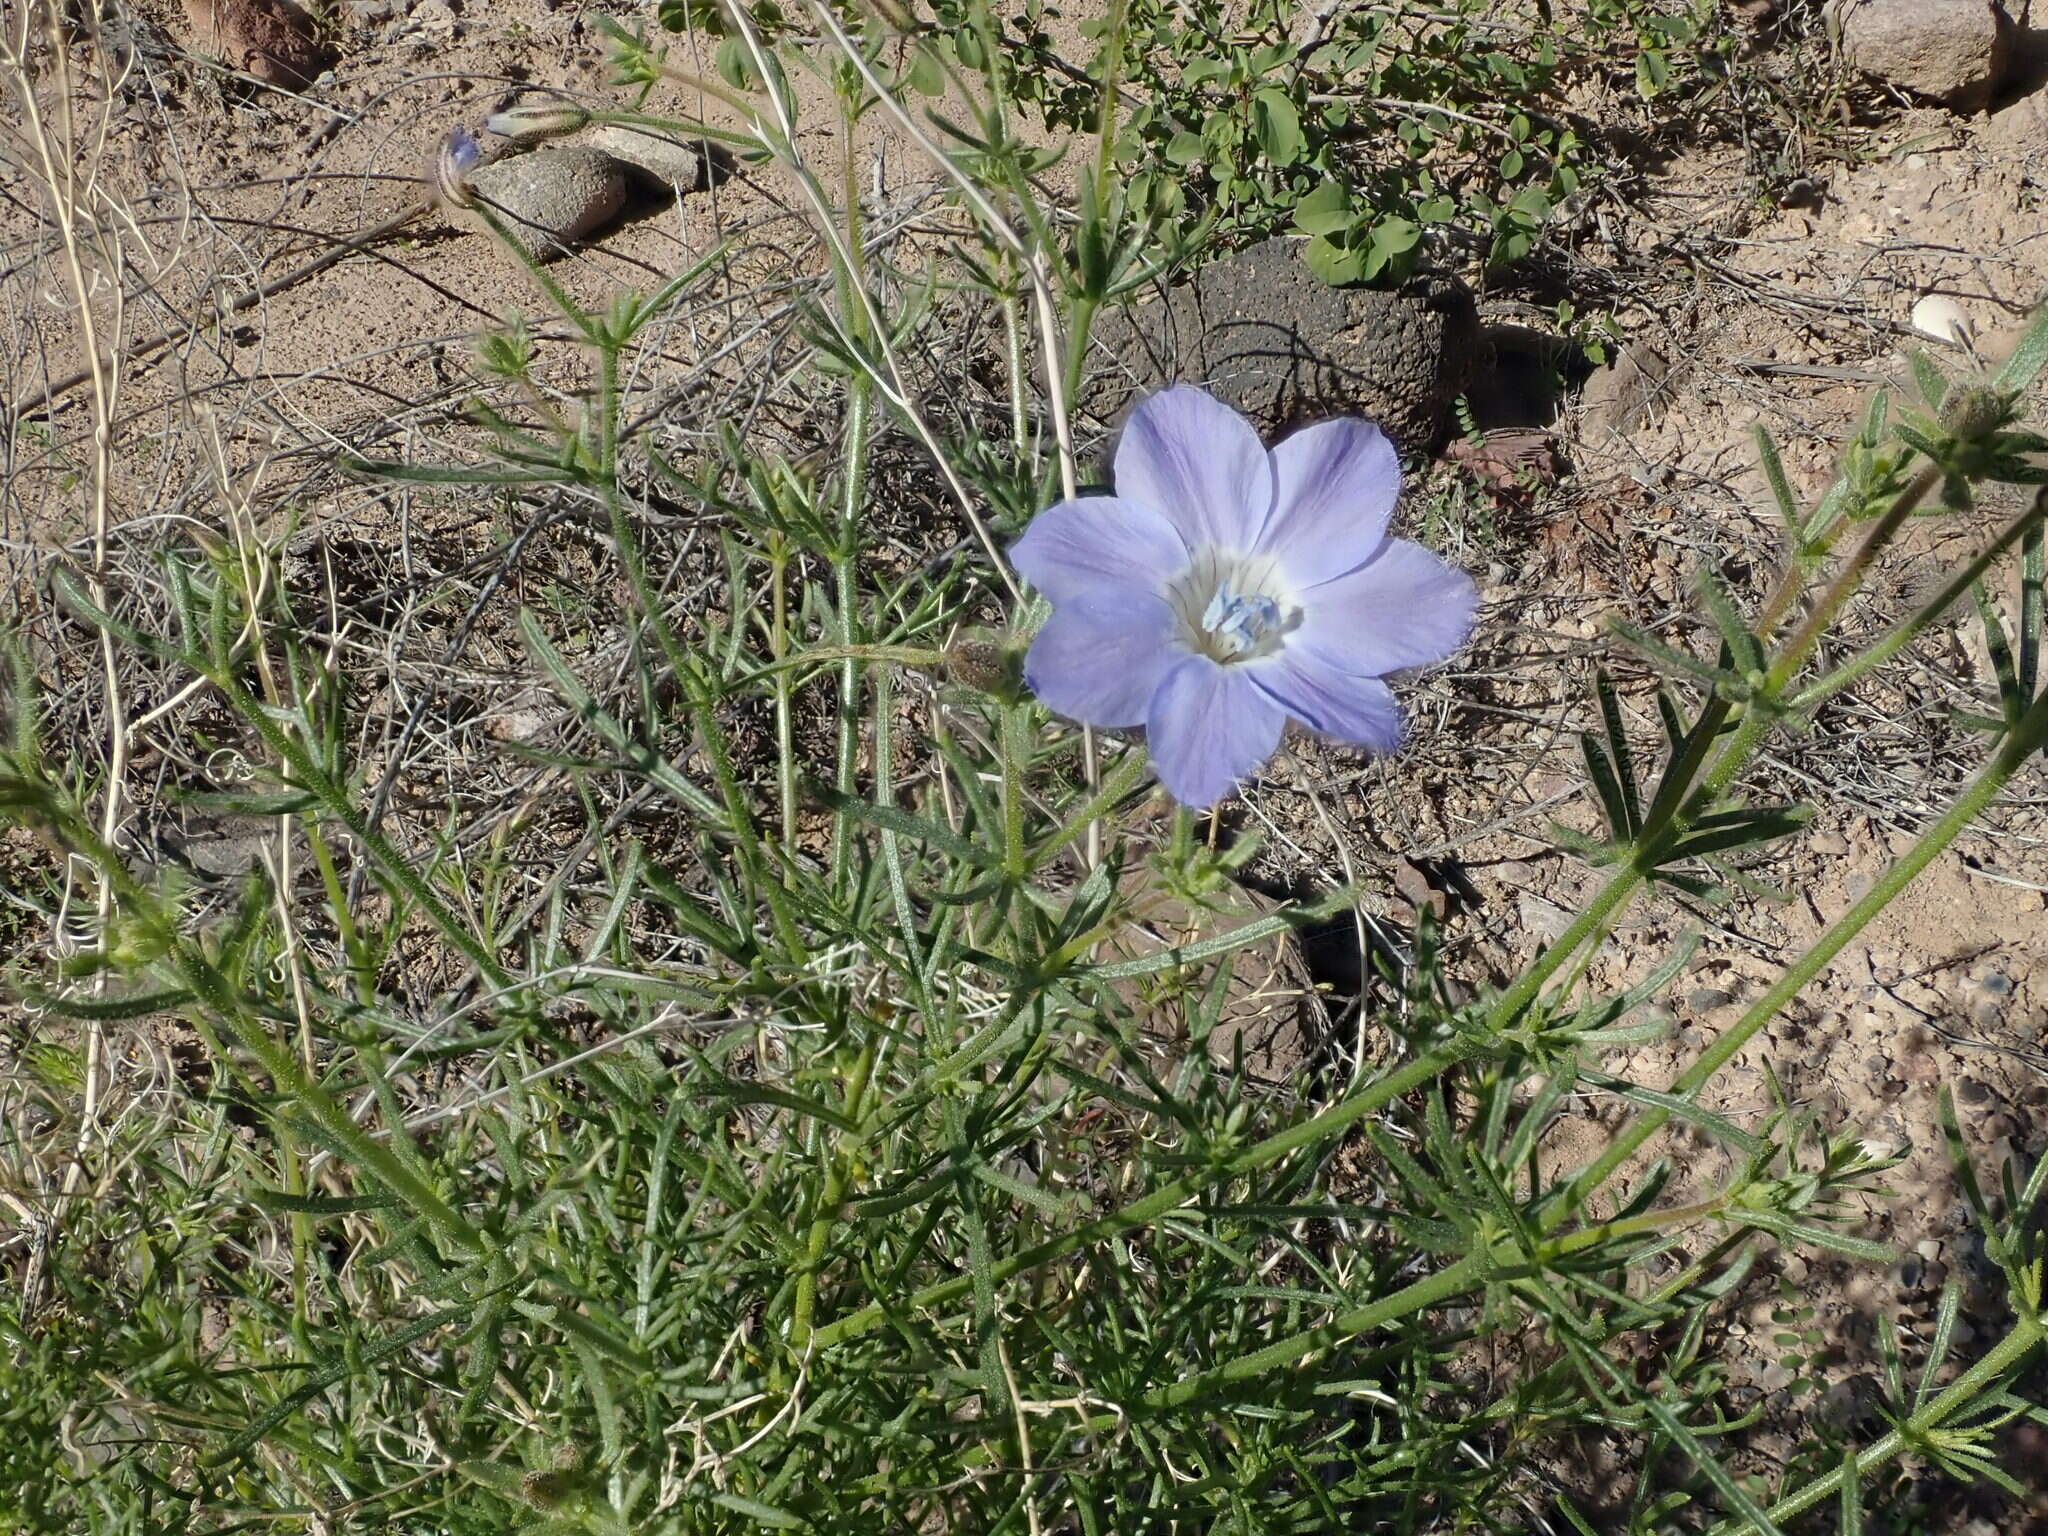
1209 727
1199 464
1402 608
1096 547
1335 487
1360 710
1099 661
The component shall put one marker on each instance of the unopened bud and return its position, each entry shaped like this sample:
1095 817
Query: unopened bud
896 14
532 120
448 170
1975 413
984 663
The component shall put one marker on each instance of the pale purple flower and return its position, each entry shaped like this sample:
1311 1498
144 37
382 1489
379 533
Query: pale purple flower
1225 590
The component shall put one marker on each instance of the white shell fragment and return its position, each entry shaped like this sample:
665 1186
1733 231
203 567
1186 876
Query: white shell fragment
1940 318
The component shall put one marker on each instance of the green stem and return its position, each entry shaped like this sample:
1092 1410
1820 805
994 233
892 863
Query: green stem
830 1201
1960 1393
1517 998
217 996
2026 737
1849 579
1904 634
1141 1213
1423 1294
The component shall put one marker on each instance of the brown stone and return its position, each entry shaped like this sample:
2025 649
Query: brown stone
274 40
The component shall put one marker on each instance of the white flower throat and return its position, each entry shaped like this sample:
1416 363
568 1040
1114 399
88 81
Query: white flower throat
1231 606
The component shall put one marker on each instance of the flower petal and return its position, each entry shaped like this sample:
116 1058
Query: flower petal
1360 710
1335 487
1098 546
1099 661
1402 608
1209 726
1199 464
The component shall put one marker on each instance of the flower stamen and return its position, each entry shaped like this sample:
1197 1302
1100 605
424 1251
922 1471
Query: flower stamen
1237 622
1231 606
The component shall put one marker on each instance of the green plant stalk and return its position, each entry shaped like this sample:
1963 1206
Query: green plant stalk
2027 736
1430 1291
362 971
1122 779
846 592
830 1202
1474 1269
1904 634
1016 754
2004 1356
688 676
1112 85
1668 814
556 293
1161 1202
901 655
216 996
334 799
1515 1000
778 645
1849 580
1019 369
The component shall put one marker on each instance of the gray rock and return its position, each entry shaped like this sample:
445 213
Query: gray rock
1956 51
550 198
1266 335
655 158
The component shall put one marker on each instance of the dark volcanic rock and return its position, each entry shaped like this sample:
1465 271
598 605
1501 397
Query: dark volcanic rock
1262 332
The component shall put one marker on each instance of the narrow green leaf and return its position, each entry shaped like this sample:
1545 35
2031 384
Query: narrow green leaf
1851 1502
1744 649
1241 937
2028 356
1667 657
1679 1107
782 1098
2031 616
2012 699
1931 381
766 1514
137 1005
1730 1490
327 1376
1607 785
1781 489
903 823
1617 747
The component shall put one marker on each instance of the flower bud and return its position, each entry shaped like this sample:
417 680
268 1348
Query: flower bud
1975 413
895 14
532 120
985 664
448 171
